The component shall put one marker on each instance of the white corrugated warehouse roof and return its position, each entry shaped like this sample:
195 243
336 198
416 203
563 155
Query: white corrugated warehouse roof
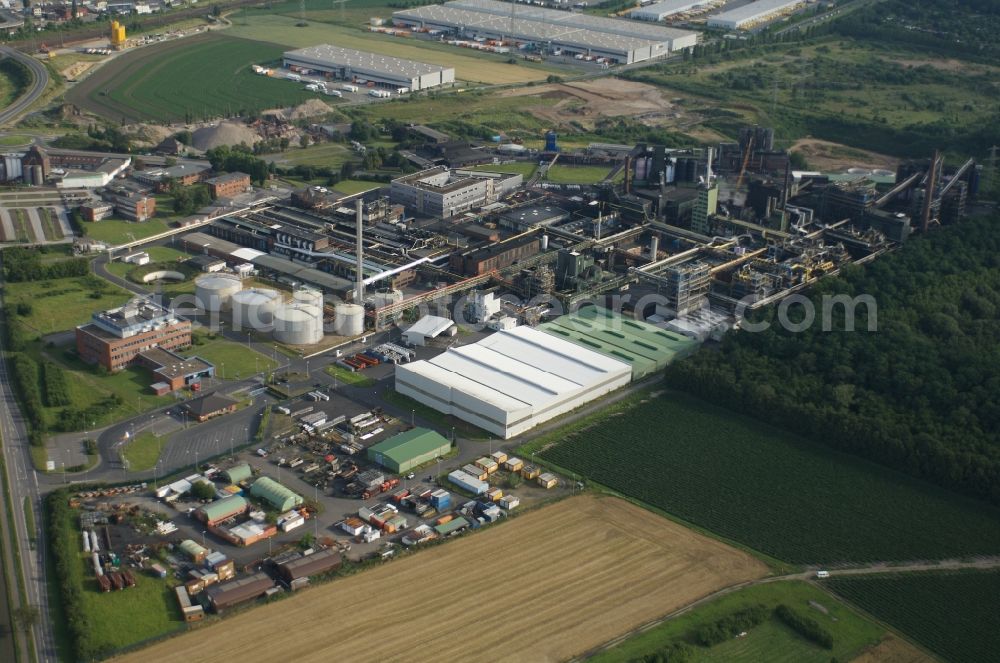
664 8
519 368
430 326
753 10
247 254
326 54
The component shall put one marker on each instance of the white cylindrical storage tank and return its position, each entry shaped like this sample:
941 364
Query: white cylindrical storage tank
545 242
349 320
214 291
308 296
253 308
298 324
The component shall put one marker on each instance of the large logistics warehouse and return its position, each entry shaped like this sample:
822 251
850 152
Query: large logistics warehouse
619 40
753 14
512 380
661 10
350 65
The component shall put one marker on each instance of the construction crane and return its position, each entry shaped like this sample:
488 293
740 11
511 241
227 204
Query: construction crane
746 160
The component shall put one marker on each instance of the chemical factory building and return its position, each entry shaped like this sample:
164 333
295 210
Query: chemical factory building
403 452
753 14
661 10
619 40
350 65
513 380
643 346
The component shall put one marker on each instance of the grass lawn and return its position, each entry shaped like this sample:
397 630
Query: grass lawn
357 186
60 304
149 610
13 140
562 174
232 360
526 168
444 422
352 378
333 155
119 231
143 452
770 641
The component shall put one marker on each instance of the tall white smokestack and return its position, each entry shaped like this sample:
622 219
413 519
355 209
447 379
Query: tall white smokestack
359 291
654 246
708 169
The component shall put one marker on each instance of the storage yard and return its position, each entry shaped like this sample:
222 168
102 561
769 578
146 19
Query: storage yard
568 564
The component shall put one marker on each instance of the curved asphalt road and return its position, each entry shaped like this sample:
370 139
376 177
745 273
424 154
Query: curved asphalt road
40 77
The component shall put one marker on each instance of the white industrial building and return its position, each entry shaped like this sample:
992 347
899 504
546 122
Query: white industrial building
661 10
444 193
362 67
512 380
619 40
753 14
428 327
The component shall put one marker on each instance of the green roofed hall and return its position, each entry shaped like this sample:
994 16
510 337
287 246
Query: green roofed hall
278 496
403 452
646 347
238 473
219 510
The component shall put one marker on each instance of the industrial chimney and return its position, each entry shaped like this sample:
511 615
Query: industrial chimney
359 292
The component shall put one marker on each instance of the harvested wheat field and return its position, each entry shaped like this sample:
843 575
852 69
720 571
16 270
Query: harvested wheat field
893 650
565 579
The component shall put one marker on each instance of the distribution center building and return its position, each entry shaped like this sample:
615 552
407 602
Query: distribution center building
512 380
753 14
617 39
403 452
361 66
661 10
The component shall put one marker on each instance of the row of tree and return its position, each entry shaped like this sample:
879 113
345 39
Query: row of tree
921 395
24 264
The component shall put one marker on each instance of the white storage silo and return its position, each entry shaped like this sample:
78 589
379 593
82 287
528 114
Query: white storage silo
214 291
253 308
308 296
349 320
298 324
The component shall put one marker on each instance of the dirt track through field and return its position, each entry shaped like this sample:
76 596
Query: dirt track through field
547 586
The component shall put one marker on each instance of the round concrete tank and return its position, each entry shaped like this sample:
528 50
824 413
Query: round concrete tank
349 320
308 296
298 324
254 308
213 291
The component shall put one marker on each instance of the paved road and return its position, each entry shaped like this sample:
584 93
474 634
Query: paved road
24 483
40 77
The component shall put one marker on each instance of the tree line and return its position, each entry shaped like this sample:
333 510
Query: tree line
921 395
23 264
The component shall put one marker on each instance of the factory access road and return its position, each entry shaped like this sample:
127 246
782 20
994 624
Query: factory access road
24 485
40 79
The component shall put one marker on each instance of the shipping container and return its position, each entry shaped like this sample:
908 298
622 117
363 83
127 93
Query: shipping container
509 502
494 494
513 464
476 472
548 480
530 472
487 464
499 457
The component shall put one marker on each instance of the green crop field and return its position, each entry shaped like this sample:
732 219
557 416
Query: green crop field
332 155
770 490
195 77
770 641
953 614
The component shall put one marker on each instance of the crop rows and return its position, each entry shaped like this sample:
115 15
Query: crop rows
952 614
762 487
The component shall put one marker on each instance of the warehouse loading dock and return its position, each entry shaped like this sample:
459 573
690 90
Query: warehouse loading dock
348 64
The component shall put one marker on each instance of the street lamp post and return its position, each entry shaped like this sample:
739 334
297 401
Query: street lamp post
203 539
413 414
